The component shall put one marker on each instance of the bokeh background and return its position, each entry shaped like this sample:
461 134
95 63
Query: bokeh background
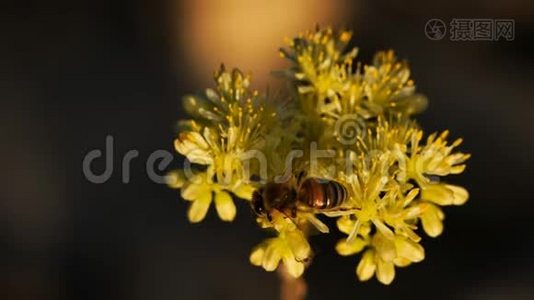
72 72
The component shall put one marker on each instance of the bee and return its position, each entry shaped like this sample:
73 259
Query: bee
311 195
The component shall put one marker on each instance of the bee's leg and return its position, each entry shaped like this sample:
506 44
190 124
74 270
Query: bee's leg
300 176
294 212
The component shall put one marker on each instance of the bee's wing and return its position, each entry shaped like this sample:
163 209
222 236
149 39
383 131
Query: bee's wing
317 223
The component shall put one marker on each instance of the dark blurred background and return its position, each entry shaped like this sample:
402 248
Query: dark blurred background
73 72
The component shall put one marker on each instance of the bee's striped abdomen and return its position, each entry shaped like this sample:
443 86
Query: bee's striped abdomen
322 194
336 194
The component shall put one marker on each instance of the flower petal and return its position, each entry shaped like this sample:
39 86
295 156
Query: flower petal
272 256
445 194
256 256
175 179
193 146
244 191
385 271
438 193
401 262
195 191
384 247
225 206
298 244
460 194
345 224
294 268
200 107
344 248
432 220
409 249
198 208
366 267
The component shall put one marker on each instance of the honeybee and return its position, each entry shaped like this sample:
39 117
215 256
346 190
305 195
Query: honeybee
310 194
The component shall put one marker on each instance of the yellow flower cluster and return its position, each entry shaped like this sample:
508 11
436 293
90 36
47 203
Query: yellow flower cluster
228 122
362 116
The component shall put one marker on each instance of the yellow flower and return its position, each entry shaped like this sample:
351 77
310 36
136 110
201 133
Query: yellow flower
228 123
384 254
317 55
388 134
223 174
290 247
365 186
435 158
201 191
387 85
226 104
400 211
